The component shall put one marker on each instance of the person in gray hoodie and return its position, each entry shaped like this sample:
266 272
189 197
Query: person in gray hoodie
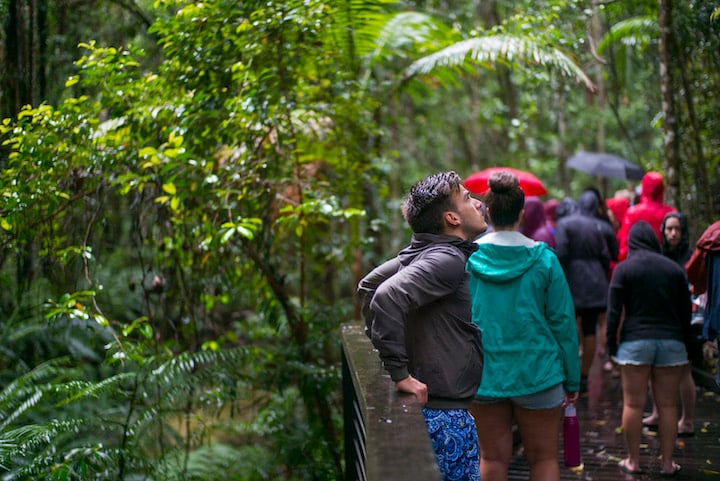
417 314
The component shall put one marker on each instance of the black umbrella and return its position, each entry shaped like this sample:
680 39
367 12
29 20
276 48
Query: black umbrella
605 165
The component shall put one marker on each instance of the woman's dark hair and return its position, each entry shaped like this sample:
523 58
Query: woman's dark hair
505 199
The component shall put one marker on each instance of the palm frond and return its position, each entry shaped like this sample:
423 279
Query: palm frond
393 34
498 49
636 32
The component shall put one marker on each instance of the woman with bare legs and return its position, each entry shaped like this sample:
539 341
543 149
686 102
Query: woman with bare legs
524 308
653 292
676 246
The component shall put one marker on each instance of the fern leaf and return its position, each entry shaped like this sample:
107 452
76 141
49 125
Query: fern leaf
404 31
636 32
95 389
500 49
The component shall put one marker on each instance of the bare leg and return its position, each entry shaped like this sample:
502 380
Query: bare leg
602 335
540 431
578 324
634 386
588 355
688 394
494 427
665 382
654 417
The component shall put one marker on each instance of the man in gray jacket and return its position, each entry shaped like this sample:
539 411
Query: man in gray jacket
417 313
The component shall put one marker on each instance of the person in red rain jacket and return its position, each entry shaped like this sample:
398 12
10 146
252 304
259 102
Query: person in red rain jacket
651 209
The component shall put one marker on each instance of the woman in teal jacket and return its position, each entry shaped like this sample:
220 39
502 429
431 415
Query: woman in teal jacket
524 308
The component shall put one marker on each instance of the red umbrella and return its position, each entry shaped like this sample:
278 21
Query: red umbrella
477 183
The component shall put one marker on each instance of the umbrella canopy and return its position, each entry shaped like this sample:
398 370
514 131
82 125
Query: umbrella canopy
477 183
605 165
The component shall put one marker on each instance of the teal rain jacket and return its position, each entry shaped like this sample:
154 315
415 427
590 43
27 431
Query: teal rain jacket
522 304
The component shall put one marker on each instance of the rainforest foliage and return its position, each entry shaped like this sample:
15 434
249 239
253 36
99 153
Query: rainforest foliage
189 193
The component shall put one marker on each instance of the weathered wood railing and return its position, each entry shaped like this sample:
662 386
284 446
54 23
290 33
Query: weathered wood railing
385 433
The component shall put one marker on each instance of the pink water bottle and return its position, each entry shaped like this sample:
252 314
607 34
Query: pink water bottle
571 437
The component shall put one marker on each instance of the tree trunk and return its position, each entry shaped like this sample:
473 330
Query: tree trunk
670 122
14 79
596 35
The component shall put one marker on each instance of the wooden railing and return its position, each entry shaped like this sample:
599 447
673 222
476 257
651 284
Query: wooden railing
385 433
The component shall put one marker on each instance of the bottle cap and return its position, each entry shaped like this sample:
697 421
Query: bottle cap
570 410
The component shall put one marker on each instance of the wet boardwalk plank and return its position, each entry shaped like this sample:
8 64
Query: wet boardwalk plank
600 411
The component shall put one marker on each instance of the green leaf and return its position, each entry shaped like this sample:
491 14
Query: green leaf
169 188
147 151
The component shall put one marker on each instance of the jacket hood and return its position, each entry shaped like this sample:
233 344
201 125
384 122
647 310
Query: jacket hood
503 256
642 237
420 242
534 216
710 238
588 204
653 187
619 206
566 207
684 245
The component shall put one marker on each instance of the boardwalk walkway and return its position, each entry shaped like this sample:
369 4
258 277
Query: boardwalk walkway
599 412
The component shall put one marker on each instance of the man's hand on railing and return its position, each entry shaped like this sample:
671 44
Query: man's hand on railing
413 386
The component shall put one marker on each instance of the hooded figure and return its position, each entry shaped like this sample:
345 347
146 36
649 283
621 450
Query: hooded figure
679 251
650 209
649 303
586 245
534 224
566 207
703 271
618 206
653 291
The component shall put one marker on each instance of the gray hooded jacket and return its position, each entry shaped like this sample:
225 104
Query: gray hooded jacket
417 313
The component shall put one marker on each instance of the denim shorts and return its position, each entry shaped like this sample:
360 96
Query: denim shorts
545 399
653 352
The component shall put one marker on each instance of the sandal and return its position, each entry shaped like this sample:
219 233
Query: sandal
676 469
624 468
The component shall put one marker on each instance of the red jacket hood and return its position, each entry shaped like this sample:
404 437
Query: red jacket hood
653 187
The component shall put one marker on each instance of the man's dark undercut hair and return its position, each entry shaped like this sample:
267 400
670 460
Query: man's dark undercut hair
428 200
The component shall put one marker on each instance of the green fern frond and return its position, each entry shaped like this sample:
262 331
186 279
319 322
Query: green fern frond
636 32
189 362
29 381
83 389
500 49
28 439
404 31
29 402
219 461
24 392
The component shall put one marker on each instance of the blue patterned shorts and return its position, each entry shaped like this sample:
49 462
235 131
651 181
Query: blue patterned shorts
455 442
